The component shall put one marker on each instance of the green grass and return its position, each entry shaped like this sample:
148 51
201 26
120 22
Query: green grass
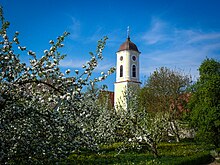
170 153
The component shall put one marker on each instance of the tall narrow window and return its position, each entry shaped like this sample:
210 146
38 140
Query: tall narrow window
133 71
121 71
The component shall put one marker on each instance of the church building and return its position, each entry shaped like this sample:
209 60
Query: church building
127 72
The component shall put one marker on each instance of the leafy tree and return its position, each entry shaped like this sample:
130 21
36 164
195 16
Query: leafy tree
205 103
165 91
44 115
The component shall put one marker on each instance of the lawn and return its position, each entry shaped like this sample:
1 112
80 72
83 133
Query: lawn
170 153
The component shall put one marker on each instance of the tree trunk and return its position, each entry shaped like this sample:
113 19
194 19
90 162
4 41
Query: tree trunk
154 150
175 130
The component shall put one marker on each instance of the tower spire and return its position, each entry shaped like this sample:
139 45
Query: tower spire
128 32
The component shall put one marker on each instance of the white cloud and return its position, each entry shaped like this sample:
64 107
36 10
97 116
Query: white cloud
201 37
176 48
186 60
75 29
100 32
97 35
103 65
67 63
156 33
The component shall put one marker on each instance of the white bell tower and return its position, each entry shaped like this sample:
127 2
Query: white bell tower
127 71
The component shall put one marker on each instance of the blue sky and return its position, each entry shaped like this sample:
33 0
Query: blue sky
178 34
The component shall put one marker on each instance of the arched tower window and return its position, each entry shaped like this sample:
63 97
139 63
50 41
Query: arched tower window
121 71
133 71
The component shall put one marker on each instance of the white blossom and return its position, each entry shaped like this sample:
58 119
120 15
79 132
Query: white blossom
100 79
67 71
45 51
51 42
6 57
68 97
4 36
22 48
77 71
30 52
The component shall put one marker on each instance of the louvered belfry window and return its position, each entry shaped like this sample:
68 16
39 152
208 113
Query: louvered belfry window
121 71
133 71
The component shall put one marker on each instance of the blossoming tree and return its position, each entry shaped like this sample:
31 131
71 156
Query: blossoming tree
44 115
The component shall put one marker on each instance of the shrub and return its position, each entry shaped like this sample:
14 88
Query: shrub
201 158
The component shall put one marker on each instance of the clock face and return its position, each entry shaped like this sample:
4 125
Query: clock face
133 58
121 58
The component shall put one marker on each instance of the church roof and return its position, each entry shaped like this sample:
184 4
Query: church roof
128 45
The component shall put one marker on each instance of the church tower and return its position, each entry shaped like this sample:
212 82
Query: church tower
127 71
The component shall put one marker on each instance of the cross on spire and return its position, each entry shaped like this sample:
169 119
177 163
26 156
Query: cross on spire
128 32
